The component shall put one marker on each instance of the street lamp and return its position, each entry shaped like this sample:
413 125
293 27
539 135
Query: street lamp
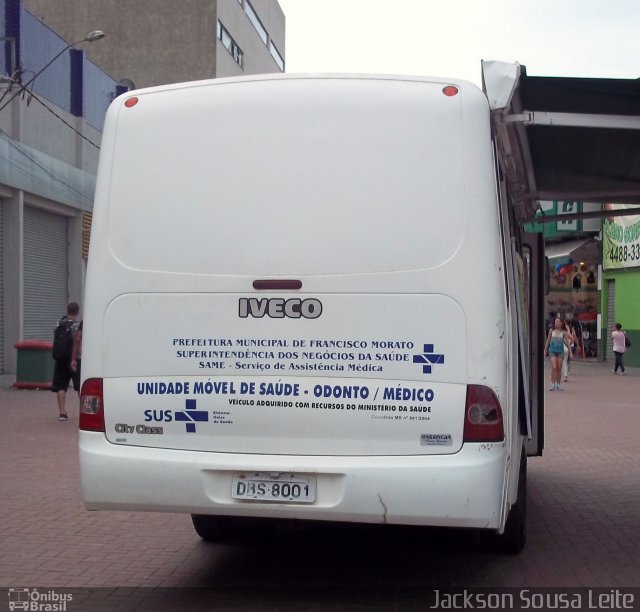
91 37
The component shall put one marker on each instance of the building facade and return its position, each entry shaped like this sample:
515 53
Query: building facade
52 106
163 41
53 100
621 281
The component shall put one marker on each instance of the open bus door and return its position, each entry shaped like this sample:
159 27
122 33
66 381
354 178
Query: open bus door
532 355
528 261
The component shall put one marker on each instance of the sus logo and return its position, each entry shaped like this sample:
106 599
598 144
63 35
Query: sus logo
191 416
428 358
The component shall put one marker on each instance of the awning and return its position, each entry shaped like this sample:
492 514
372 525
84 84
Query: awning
561 252
565 139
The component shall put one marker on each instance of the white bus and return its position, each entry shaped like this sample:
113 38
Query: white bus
305 300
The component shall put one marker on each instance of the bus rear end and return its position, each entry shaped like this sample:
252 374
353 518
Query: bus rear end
296 306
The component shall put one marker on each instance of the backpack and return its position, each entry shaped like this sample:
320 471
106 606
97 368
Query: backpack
63 339
627 342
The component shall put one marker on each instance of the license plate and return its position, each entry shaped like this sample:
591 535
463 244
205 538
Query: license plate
283 487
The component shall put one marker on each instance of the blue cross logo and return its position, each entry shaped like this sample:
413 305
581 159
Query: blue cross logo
428 358
190 416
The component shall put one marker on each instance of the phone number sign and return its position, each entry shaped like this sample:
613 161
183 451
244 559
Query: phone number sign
621 240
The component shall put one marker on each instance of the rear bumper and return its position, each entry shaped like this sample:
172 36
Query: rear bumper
465 489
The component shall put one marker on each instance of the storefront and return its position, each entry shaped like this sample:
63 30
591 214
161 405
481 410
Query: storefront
621 281
574 277
573 288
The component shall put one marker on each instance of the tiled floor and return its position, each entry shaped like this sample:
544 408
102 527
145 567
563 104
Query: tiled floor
583 513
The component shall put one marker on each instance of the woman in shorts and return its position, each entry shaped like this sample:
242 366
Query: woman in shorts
557 340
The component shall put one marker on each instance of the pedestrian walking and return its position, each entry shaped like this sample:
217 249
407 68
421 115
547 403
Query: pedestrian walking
64 340
554 348
619 346
578 349
568 349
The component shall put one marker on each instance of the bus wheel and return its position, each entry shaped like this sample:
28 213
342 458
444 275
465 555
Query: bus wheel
514 538
213 528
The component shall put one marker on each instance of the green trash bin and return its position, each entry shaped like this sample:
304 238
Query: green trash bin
35 364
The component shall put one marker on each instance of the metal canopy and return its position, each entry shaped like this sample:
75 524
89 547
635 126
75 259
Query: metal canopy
564 250
567 139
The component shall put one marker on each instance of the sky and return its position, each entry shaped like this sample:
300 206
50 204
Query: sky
449 38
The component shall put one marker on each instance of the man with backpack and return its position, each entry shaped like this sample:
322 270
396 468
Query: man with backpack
65 335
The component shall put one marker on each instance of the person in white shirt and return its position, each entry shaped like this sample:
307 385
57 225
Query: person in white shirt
619 347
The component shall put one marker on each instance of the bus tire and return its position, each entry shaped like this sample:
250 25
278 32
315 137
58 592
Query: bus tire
514 538
210 528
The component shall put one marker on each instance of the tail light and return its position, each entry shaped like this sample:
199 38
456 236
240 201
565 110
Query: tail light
483 416
92 405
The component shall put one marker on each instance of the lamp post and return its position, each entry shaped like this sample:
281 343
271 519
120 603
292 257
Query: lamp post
91 37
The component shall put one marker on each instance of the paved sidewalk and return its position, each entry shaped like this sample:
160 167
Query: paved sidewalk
584 514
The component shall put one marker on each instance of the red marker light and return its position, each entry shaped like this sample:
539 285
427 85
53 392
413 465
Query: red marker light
129 102
450 90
